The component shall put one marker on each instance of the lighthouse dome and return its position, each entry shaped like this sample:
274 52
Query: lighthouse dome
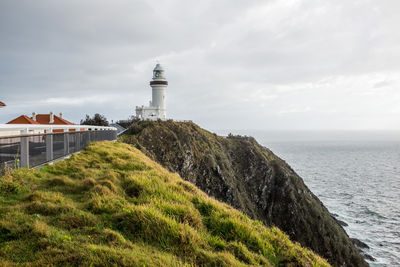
158 72
158 67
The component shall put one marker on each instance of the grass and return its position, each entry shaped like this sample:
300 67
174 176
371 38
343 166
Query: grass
110 205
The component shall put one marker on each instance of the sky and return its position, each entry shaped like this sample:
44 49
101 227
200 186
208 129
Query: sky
261 65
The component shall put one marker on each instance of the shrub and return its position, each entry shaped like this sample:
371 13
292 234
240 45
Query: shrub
97 119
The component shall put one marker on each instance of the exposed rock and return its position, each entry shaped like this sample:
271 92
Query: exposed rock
240 172
369 257
342 223
359 243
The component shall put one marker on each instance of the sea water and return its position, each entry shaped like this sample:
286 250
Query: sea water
357 177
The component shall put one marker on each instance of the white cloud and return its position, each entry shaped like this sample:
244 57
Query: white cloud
67 101
242 64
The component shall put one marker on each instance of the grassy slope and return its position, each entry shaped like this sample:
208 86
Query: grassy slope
111 205
240 172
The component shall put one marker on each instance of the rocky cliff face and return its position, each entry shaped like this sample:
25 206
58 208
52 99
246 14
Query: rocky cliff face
240 172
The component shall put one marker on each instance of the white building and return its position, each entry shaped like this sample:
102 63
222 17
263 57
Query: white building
157 108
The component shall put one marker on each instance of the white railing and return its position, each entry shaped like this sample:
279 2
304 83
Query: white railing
27 145
26 128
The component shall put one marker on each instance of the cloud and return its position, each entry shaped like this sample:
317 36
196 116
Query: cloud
229 64
382 84
295 110
77 101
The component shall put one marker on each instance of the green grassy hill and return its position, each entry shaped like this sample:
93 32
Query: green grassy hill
240 172
111 205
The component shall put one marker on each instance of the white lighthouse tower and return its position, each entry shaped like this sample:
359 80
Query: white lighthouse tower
157 108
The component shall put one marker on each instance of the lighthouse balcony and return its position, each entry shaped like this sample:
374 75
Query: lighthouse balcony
158 82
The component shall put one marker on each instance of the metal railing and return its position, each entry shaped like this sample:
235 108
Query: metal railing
32 149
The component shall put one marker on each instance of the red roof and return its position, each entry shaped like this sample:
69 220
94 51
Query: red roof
40 119
2 104
45 119
22 120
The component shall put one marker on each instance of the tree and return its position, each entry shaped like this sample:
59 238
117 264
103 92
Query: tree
97 119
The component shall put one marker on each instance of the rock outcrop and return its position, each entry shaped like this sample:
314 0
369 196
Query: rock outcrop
239 171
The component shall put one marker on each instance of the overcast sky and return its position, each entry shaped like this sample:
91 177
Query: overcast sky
288 64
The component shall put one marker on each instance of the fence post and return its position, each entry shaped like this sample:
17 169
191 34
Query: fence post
66 142
49 145
77 139
24 149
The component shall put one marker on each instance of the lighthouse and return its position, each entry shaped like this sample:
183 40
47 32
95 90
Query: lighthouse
157 107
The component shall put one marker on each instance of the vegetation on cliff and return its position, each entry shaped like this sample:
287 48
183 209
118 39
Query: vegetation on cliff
240 172
111 205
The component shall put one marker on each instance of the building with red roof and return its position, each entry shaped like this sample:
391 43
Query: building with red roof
23 119
47 119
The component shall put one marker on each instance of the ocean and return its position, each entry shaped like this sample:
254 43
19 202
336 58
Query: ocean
357 177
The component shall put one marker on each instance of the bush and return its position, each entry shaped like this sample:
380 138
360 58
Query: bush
97 119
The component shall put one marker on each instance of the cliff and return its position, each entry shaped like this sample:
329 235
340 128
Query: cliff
240 172
110 205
